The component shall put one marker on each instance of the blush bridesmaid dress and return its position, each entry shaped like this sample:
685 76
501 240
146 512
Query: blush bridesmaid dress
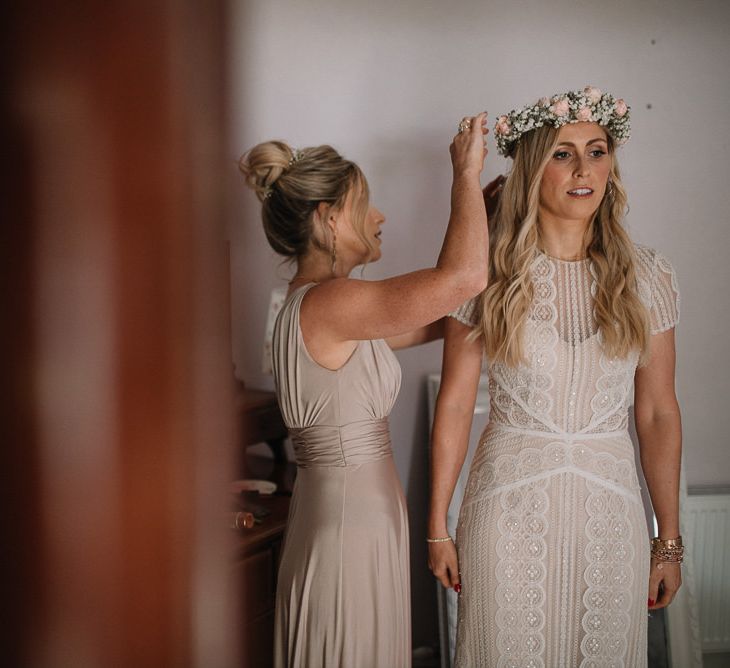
343 595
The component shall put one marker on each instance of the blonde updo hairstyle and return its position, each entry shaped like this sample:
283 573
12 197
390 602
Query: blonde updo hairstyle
290 185
621 317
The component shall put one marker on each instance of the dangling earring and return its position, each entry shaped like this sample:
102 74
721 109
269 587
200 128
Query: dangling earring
609 188
334 249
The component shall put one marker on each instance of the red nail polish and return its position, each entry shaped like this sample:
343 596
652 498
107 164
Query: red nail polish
457 588
651 602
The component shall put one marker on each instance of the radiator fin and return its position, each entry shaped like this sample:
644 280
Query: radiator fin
708 548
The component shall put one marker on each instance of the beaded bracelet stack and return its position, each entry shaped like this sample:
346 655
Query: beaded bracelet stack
670 550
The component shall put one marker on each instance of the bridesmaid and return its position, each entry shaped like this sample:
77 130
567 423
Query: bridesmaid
343 590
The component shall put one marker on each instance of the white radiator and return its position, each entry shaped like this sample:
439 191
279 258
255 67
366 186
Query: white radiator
707 536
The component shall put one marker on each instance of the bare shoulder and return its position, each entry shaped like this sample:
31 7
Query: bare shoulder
322 300
315 317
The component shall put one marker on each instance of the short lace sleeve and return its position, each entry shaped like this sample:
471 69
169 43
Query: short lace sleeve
664 311
468 313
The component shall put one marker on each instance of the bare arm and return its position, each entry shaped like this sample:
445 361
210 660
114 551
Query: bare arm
419 336
658 426
450 439
491 194
345 309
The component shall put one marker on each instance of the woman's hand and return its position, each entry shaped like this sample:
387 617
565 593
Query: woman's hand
469 149
665 578
444 564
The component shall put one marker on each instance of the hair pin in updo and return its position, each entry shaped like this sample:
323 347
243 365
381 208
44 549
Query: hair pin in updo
267 192
296 156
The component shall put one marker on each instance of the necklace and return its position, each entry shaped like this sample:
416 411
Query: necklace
577 258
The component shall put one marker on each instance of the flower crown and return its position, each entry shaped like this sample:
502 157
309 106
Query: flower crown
578 106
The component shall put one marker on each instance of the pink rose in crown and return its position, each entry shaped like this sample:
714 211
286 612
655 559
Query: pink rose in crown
593 94
560 108
621 108
503 126
584 114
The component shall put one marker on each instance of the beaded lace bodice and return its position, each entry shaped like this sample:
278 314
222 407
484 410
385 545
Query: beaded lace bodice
568 384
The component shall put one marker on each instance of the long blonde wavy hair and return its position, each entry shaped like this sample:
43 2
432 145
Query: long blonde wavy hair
621 317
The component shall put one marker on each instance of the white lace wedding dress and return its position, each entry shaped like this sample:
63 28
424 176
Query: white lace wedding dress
552 540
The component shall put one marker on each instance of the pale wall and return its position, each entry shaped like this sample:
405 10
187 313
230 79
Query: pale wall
387 82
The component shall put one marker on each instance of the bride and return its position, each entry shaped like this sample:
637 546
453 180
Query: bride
552 559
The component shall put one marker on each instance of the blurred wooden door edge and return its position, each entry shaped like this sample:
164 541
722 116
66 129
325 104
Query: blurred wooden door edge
119 383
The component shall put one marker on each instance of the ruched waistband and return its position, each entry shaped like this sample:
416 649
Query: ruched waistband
353 443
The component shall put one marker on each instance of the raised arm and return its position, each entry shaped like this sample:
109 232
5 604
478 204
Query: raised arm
417 337
658 426
462 364
491 193
346 309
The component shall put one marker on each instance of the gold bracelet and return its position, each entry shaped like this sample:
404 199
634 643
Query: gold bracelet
670 550
664 558
439 540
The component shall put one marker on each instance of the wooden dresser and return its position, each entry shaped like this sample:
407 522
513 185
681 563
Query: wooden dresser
258 549
257 561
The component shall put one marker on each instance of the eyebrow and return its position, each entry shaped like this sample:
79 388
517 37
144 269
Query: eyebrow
592 141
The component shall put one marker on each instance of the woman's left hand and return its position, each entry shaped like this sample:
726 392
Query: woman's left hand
665 578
